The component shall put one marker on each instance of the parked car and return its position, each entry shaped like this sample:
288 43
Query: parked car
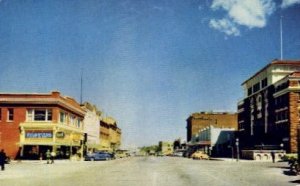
98 156
199 155
121 154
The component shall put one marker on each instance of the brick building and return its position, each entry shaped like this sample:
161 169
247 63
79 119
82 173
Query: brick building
198 121
30 124
268 115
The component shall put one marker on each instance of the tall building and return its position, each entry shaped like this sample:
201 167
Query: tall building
30 124
198 121
268 115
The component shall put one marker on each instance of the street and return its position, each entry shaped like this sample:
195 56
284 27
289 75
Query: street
147 171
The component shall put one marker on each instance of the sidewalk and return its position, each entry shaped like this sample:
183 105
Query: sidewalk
43 161
240 160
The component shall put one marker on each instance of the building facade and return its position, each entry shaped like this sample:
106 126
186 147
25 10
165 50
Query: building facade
198 121
215 141
30 124
91 127
268 115
110 134
165 147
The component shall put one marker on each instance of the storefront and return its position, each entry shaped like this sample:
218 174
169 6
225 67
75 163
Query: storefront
64 141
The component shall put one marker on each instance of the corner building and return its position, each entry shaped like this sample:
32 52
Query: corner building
268 115
30 124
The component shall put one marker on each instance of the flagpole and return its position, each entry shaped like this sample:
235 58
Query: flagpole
81 87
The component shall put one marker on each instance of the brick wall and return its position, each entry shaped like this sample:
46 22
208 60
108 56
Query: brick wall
294 120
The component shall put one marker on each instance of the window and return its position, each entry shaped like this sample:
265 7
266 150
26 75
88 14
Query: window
249 91
264 82
62 117
10 114
39 115
72 120
78 123
256 87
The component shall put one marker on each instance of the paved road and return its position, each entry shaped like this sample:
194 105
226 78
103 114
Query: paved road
147 171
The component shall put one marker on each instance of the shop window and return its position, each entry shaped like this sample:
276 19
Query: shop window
10 114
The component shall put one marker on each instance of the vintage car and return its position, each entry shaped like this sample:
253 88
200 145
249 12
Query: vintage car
99 156
199 155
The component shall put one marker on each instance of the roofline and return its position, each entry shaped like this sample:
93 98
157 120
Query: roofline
42 100
274 62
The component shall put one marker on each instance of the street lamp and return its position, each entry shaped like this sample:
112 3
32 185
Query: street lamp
281 146
237 149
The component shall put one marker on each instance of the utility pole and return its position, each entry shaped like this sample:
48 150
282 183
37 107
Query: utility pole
281 40
81 81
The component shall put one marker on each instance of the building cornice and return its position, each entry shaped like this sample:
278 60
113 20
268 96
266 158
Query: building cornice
42 101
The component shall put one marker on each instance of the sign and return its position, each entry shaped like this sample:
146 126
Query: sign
60 134
38 134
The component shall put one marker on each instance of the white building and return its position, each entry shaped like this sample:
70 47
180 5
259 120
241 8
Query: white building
92 126
215 141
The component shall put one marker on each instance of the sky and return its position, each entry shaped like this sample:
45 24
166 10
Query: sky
149 64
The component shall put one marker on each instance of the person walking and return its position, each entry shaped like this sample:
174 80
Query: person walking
273 156
53 154
2 159
48 156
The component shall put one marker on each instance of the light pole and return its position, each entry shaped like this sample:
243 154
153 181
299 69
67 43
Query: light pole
237 149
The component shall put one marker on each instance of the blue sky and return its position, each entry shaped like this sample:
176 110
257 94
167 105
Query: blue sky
148 64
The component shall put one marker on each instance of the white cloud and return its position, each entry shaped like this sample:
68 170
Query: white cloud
224 25
249 13
288 3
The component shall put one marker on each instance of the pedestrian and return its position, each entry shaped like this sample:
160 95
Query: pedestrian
2 159
53 154
48 156
273 156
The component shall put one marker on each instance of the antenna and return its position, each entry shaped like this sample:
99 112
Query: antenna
281 53
81 87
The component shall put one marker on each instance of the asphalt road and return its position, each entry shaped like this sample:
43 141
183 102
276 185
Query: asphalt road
147 171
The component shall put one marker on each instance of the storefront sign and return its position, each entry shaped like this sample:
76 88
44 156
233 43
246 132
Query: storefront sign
60 134
38 134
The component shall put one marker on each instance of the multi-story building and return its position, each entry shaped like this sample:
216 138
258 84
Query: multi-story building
165 147
91 126
268 115
104 135
30 124
110 134
198 121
